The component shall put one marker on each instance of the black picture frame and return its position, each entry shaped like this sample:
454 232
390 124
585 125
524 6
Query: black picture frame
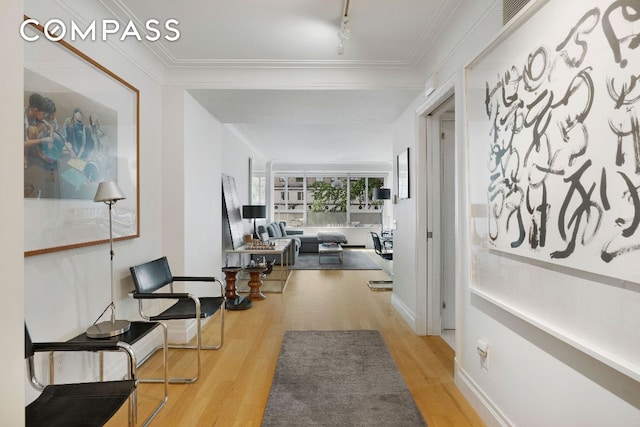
402 168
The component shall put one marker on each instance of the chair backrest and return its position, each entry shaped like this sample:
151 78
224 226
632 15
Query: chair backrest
28 344
152 275
377 245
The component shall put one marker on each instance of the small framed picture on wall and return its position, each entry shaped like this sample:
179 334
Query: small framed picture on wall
402 166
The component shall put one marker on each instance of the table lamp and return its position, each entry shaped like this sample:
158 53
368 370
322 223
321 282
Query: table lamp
109 193
253 212
381 194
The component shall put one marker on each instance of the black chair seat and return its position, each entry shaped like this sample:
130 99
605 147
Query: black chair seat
81 404
186 309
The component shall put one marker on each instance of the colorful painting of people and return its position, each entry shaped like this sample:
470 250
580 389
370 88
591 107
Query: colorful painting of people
63 161
41 177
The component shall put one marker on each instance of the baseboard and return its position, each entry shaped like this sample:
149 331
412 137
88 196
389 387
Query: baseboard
485 408
404 311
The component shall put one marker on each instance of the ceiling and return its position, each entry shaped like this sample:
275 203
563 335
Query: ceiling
290 94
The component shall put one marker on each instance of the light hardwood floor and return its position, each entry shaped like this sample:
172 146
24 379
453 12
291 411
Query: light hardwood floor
236 380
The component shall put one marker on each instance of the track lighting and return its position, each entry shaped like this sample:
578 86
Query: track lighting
345 28
344 34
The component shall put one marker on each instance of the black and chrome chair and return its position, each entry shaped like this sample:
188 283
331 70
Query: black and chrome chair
386 254
152 280
380 249
79 404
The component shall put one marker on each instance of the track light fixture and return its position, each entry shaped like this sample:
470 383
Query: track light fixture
345 28
344 34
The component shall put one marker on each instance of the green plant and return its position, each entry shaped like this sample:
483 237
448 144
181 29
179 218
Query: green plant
357 189
327 198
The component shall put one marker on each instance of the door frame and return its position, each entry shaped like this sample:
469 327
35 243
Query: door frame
428 308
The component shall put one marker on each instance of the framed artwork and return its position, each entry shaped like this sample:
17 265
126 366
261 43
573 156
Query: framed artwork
402 166
80 128
552 108
553 120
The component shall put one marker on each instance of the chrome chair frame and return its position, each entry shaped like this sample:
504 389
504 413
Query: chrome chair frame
155 275
384 254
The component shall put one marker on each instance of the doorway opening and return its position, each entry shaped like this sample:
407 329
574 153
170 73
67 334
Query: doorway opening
440 150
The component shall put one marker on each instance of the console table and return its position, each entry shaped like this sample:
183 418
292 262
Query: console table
282 248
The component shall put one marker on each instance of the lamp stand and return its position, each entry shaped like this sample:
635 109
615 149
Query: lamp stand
113 327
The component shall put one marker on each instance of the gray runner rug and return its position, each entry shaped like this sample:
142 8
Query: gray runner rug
338 378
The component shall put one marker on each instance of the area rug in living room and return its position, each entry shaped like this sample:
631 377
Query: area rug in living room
338 378
352 260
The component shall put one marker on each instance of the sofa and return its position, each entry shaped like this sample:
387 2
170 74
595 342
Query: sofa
306 243
275 231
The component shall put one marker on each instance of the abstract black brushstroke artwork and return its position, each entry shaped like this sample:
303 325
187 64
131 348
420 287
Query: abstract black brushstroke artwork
559 123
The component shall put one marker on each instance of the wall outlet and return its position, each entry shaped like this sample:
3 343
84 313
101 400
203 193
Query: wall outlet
482 348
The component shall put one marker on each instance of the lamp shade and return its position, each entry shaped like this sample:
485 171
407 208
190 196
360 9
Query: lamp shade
381 194
108 191
254 211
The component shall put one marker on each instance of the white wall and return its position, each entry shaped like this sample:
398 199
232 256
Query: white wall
534 378
406 257
11 219
203 192
236 153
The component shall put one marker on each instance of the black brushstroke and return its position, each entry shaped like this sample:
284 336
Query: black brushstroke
635 200
630 10
621 97
634 132
581 211
538 232
579 81
603 190
521 234
607 256
576 34
533 82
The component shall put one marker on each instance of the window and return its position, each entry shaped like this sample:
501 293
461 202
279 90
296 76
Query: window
327 200
289 203
362 209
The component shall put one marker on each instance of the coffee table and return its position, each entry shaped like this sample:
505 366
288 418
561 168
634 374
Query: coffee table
329 249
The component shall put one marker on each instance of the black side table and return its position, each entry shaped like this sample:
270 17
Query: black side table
138 330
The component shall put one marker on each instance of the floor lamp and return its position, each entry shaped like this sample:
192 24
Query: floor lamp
381 194
109 193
